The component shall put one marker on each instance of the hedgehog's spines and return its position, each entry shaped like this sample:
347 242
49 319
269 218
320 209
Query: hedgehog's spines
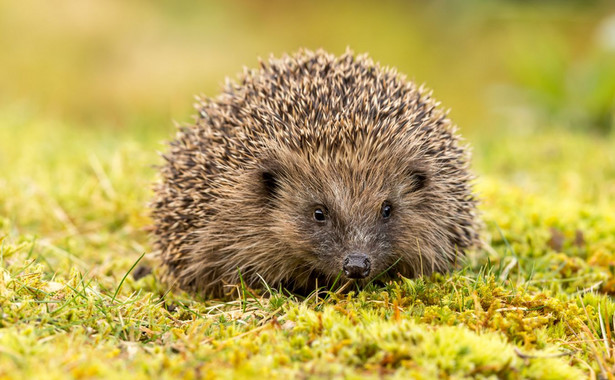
310 113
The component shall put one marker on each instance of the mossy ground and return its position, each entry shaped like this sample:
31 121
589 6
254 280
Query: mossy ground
535 303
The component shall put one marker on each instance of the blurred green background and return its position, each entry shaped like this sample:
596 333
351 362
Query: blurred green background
517 65
90 89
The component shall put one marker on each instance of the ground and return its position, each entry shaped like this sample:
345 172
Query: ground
77 301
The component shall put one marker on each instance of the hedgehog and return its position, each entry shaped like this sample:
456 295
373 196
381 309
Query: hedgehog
309 170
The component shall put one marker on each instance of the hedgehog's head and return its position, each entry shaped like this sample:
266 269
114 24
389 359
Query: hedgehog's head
353 215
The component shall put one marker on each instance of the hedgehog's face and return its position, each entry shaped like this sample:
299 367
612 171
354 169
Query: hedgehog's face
334 236
340 220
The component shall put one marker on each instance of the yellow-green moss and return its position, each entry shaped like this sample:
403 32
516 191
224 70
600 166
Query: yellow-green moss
73 223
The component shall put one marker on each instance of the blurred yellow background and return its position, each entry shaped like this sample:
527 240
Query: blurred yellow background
516 65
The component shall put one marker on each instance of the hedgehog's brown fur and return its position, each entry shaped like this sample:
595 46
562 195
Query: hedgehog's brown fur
308 131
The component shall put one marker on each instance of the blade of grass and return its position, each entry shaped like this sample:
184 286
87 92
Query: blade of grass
117 290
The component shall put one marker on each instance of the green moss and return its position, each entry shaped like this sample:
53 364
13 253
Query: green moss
533 304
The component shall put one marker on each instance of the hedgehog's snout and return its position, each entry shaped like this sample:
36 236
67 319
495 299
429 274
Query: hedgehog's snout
357 265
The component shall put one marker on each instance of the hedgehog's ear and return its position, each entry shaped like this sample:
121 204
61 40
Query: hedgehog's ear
269 176
270 183
418 176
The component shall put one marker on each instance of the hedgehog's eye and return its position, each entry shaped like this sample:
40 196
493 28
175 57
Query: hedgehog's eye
386 210
319 215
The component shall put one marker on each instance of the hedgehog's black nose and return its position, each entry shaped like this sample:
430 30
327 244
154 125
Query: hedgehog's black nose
357 265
